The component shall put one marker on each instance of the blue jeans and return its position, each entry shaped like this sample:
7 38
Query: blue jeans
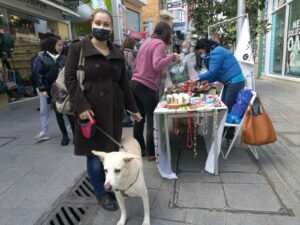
230 93
45 109
96 174
229 96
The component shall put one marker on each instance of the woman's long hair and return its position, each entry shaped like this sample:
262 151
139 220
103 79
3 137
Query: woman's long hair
163 31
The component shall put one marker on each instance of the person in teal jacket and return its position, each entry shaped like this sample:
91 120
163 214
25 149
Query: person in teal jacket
221 66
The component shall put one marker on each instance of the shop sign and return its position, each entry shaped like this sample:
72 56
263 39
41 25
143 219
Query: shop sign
35 5
174 5
178 26
34 8
135 34
293 45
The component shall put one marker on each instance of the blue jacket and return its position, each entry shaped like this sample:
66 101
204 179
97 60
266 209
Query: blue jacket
221 66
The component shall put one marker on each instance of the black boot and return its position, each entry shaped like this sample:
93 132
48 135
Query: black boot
65 140
107 202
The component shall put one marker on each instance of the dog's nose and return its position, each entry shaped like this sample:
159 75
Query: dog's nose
107 187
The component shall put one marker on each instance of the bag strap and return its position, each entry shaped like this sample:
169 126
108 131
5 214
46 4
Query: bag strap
81 61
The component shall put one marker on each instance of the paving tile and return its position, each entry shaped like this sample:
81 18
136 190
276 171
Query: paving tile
4 215
201 195
23 217
15 195
238 167
257 197
196 177
44 197
202 217
166 222
243 178
247 219
238 154
152 178
286 220
12 174
293 138
160 209
4 187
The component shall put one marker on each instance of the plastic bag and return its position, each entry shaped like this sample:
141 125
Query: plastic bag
242 101
179 72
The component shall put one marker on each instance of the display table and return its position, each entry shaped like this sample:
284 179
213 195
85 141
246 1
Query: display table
215 119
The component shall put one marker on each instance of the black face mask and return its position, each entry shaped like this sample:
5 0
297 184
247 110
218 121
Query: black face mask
101 34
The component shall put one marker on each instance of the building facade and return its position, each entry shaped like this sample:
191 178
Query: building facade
155 12
281 52
24 22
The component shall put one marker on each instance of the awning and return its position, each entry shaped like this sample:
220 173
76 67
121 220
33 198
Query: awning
63 8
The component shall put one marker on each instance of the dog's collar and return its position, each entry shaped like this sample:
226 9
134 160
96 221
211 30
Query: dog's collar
123 191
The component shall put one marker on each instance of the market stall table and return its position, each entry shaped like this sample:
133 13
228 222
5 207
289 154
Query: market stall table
212 135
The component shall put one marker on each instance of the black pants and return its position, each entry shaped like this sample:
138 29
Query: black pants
146 100
61 122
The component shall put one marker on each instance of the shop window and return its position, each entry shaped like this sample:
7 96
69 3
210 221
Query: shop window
277 41
133 20
278 3
293 41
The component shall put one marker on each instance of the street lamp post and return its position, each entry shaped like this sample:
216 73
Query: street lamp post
241 10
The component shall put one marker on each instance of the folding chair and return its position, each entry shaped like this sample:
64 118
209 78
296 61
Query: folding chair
237 132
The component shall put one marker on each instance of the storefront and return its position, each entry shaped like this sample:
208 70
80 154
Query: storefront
23 23
282 43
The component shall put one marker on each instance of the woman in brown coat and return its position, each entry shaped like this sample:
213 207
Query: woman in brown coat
106 93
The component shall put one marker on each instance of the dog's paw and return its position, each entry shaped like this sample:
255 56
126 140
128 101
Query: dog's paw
146 223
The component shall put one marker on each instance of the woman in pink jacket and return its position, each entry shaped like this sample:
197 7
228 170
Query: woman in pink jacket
150 62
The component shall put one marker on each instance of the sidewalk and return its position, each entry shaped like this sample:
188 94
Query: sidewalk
265 192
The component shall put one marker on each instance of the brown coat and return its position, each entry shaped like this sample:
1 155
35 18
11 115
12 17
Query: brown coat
106 92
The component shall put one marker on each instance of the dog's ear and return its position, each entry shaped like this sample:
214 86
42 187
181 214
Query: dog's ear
129 157
100 154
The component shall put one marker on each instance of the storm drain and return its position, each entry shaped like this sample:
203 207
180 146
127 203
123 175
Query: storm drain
68 215
74 207
84 188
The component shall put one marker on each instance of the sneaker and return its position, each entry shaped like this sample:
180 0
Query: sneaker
41 137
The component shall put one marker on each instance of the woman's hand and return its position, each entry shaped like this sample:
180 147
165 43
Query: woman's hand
86 114
45 94
177 59
138 117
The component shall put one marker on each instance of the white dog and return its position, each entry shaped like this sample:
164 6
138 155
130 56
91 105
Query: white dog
124 176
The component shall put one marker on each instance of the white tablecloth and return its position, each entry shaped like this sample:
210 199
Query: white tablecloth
216 119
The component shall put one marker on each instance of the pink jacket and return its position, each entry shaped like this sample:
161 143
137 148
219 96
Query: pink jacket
150 61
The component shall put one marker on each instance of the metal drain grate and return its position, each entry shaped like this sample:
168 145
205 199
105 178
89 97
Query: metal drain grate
74 207
84 188
67 215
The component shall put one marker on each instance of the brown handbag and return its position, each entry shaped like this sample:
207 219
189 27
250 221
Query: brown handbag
257 129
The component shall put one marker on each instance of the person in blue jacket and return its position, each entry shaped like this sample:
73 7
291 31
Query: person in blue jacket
221 66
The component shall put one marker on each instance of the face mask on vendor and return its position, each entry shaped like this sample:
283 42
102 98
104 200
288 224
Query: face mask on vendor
185 51
203 55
